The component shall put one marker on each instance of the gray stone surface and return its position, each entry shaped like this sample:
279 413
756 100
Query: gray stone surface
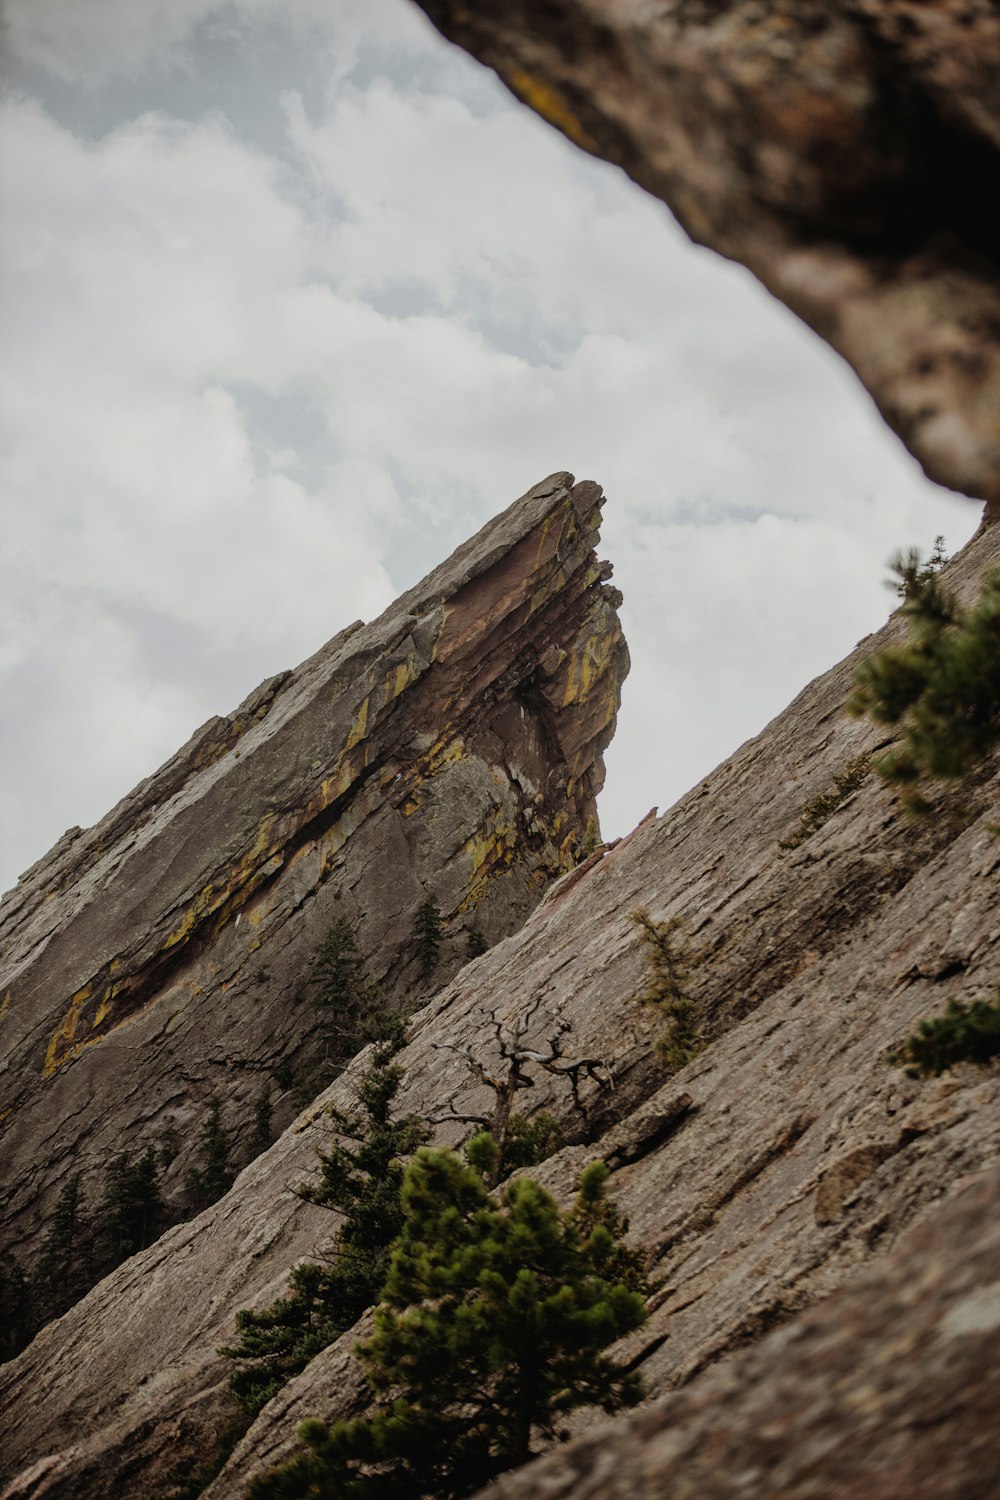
452 748
846 151
888 1391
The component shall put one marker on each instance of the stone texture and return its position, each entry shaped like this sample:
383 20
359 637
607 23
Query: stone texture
816 962
846 151
452 747
888 1390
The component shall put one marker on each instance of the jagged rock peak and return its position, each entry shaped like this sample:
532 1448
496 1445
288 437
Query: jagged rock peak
452 748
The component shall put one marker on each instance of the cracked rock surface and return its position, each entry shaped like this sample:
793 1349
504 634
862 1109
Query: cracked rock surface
846 151
786 1158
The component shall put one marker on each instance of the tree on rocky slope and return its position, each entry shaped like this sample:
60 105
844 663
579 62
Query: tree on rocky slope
214 1174
521 1142
941 689
670 957
427 936
130 1213
361 1178
964 1033
65 1267
494 1325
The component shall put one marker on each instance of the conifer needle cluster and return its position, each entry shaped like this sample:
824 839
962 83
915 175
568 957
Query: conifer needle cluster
670 957
492 1329
964 1033
361 1178
941 689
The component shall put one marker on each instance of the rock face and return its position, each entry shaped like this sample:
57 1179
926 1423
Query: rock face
887 1390
846 151
451 748
783 1160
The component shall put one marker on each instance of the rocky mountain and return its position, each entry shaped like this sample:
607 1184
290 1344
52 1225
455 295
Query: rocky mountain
846 151
820 1229
451 750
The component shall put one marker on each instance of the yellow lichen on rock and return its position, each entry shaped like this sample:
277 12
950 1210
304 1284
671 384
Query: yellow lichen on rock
63 1038
588 663
359 726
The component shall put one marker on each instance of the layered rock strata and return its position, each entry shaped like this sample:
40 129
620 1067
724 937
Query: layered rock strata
846 151
783 1159
451 748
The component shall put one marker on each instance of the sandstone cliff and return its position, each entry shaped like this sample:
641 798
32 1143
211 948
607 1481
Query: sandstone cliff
846 151
453 747
778 1164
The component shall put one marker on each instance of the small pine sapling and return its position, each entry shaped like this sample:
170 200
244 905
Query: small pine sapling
912 573
493 1329
670 957
530 1141
822 808
964 1033
941 689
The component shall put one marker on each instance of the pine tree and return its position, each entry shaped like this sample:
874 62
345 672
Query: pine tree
214 1175
65 1264
493 1329
360 1178
669 959
130 1213
964 1033
942 689
427 936
530 1140
277 1342
346 1003
912 573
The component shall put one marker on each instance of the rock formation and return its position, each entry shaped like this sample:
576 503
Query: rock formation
451 748
782 1161
846 151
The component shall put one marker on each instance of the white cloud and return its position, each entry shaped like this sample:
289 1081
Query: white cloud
249 397
88 42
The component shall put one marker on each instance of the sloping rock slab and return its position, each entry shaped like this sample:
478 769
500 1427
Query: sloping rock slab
888 1391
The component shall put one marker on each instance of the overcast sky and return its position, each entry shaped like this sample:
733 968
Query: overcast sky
294 298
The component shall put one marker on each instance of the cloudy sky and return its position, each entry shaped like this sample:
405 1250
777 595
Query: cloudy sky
294 298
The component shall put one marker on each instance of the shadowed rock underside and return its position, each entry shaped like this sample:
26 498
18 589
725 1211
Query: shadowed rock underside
846 151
